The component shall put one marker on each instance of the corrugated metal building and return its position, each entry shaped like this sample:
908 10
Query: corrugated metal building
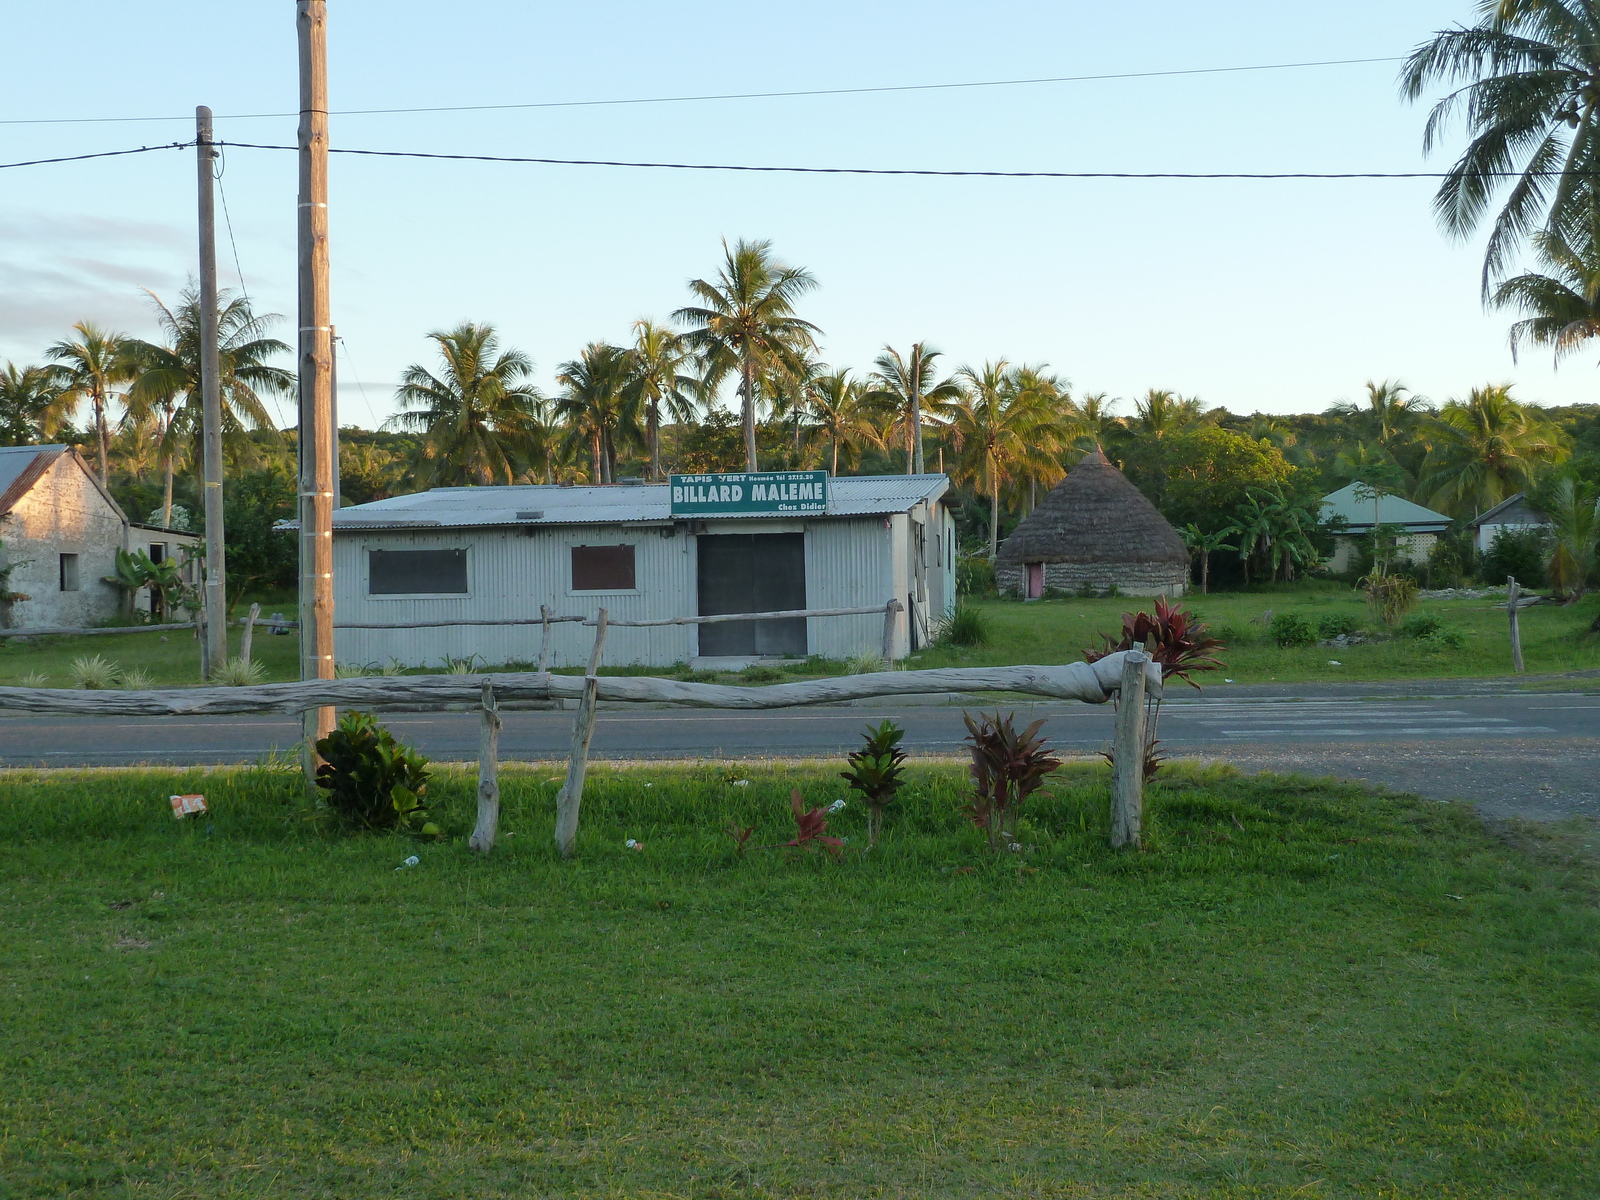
498 553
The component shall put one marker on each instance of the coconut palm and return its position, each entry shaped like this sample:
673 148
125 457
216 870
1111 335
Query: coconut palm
598 407
1033 385
1094 410
657 378
745 324
839 411
166 397
1487 447
998 429
903 386
89 368
1574 510
30 405
1563 306
788 391
1388 417
1161 412
1530 76
477 415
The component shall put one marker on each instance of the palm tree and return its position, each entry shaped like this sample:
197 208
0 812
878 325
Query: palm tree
839 411
998 428
1529 70
597 405
166 391
1574 509
657 380
1205 545
1488 446
1094 410
30 405
1389 415
1563 306
1162 412
88 368
1033 386
746 324
477 418
902 385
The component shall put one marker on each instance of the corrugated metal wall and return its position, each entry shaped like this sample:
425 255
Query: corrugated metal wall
850 563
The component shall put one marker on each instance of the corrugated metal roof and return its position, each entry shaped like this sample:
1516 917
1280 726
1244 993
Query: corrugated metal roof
540 504
20 469
1354 504
1513 510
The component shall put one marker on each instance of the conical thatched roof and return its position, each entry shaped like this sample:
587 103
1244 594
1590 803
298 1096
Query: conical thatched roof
1094 515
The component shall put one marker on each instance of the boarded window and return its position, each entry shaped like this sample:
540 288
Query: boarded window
69 572
416 573
602 569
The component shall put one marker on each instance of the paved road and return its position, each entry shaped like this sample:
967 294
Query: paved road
1513 753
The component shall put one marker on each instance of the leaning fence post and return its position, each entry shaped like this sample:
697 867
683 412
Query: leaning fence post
571 797
1127 769
544 639
889 611
483 833
249 632
205 647
1513 594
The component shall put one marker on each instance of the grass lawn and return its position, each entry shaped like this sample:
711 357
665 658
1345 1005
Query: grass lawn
1297 989
1554 638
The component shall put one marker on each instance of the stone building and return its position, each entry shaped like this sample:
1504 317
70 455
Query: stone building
1095 531
59 536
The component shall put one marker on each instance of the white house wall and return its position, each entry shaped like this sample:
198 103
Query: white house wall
850 563
63 513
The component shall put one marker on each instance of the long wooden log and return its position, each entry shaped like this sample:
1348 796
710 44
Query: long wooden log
1092 683
570 801
752 616
96 631
488 824
1127 772
451 624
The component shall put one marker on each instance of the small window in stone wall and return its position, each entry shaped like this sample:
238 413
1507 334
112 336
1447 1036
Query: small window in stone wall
69 573
416 572
602 569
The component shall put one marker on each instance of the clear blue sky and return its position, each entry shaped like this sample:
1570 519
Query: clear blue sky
1273 296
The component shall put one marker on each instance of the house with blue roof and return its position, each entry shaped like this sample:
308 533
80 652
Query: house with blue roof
1361 507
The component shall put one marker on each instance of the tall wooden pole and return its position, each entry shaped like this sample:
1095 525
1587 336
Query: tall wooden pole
1513 596
216 596
1128 750
318 444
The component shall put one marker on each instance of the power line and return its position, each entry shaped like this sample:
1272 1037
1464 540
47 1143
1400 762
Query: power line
956 174
799 93
39 162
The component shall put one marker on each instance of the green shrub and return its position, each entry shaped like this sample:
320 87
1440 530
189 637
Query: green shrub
877 771
373 781
758 673
966 627
1420 625
1291 629
1521 555
974 575
1445 637
1332 625
239 672
93 671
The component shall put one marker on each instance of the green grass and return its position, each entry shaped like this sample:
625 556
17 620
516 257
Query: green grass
1554 638
1297 989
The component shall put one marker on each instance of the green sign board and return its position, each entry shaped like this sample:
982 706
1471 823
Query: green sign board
751 493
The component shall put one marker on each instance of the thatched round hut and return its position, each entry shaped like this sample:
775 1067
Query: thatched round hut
1094 532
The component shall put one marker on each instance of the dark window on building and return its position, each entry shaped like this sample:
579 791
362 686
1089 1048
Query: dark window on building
69 572
416 572
158 552
602 569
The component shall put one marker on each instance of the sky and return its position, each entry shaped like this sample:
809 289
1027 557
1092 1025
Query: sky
1274 296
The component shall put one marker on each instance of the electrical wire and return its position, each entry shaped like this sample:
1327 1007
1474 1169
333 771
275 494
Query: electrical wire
799 93
39 162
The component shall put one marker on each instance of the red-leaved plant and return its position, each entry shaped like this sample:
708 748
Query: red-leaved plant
1007 768
1172 637
811 826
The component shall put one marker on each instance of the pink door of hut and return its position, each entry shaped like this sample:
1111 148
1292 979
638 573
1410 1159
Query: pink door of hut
1035 580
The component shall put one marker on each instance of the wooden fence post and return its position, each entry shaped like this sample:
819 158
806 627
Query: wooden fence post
483 833
249 632
544 639
889 611
1513 594
205 647
571 797
1127 772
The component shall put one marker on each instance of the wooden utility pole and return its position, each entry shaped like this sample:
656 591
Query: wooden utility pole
216 595
318 440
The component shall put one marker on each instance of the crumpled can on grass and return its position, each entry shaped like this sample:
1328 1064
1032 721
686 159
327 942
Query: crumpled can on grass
183 806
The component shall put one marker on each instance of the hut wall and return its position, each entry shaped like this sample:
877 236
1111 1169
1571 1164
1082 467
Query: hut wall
63 513
1130 579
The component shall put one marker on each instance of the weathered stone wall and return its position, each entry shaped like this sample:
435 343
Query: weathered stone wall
63 513
1130 579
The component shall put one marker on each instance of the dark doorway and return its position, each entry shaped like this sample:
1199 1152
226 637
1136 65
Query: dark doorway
753 572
